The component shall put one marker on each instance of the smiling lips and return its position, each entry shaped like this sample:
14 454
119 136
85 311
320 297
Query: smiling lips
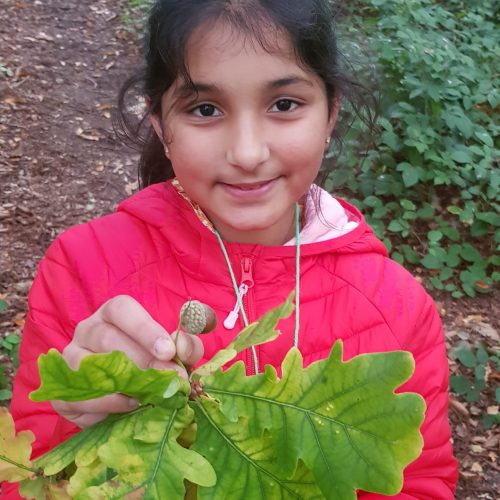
249 190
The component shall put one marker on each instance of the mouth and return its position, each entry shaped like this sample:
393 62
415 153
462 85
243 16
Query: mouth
250 190
249 186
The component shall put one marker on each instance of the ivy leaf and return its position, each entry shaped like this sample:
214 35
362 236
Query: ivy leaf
15 450
411 176
461 156
102 374
248 466
263 330
342 420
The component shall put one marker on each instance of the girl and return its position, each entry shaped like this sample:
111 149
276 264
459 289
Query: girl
243 98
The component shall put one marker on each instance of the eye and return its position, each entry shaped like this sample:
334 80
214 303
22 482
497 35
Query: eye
206 111
284 105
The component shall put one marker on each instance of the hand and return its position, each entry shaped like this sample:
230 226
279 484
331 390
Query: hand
122 324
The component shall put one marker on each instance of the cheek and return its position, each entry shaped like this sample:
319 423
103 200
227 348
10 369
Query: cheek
306 152
190 155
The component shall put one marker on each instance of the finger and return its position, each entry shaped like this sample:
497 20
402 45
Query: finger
126 314
113 403
105 337
73 354
189 348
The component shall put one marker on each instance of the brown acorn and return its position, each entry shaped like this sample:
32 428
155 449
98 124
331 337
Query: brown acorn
197 317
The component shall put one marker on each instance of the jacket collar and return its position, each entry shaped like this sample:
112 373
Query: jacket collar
197 249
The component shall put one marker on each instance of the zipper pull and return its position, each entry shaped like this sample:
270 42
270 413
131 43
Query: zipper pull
246 272
232 318
246 283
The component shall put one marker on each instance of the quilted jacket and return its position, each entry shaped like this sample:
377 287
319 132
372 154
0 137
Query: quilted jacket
155 249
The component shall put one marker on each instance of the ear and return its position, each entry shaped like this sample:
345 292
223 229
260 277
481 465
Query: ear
334 113
155 120
158 128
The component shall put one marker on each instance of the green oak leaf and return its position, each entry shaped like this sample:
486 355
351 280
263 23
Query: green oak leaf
263 330
246 466
220 359
151 460
137 451
81 447
41 488
342 419
102 374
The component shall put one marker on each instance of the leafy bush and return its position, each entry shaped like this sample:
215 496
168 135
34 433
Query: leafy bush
134 13
476 363
431 180
9 347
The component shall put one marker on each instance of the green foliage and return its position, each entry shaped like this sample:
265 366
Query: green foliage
431 180
318 432
349 410
134 14
9 347
476 363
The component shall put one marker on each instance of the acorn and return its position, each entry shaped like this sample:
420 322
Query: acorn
197 317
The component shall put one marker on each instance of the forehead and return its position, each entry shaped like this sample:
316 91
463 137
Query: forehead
220 52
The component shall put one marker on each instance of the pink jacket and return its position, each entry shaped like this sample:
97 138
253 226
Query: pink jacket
155 249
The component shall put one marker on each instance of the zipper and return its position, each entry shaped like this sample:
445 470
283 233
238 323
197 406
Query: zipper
232 317
230 322
246 284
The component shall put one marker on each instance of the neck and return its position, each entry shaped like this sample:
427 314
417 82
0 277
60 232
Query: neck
276 235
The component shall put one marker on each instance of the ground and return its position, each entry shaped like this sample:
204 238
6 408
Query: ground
61 65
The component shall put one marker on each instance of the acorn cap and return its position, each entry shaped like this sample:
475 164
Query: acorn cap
197 317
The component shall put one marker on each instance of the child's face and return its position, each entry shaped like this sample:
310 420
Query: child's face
249 145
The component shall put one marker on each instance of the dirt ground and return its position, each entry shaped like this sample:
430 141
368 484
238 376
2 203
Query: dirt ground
61 64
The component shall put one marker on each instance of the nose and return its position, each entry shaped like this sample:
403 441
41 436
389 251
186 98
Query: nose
248 147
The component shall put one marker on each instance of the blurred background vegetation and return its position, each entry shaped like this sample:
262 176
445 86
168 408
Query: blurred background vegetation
429 183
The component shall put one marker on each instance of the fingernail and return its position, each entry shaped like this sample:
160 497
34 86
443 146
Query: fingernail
133 403
162 346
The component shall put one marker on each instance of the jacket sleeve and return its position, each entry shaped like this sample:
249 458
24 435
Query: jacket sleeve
57 302
434 474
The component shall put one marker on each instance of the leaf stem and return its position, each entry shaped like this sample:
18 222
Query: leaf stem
20 466
176 334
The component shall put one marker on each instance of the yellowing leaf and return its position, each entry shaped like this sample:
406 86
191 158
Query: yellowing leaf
324 431
246 466
102 374
342 419
220 359
263 330
259 332
41 489
15 451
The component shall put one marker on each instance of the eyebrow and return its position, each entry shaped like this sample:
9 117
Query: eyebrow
188 88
